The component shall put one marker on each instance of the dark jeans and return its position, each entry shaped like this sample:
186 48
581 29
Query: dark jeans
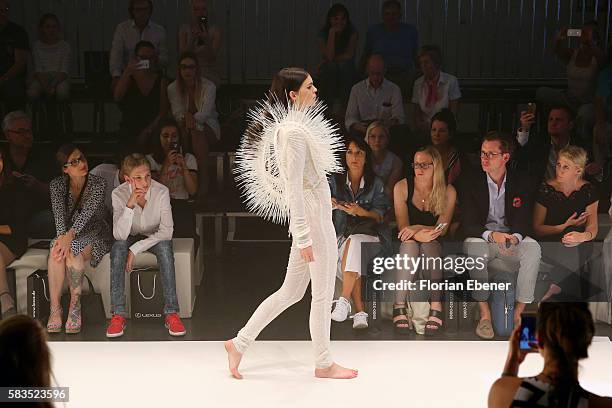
165 260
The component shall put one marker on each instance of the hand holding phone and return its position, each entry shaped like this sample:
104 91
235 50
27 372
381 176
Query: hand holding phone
531 108
574 32
143 64
528 340
440 226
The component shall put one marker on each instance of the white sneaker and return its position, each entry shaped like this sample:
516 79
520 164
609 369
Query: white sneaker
360 320
342 310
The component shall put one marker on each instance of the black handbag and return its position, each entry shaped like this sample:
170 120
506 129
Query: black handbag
361 225
38 296
147 297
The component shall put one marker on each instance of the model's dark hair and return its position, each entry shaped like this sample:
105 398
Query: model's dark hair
63 153
565 330
158 153
283 82
446 116
342 40
25 360
368 170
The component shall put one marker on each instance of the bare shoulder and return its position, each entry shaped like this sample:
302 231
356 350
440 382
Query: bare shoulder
451 192
401 188
503 390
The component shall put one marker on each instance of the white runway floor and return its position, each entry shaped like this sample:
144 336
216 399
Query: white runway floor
280 374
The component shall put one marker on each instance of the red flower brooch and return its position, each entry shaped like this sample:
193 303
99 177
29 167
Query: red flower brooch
517 202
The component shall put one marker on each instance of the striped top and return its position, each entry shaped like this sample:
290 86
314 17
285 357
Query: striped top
534 393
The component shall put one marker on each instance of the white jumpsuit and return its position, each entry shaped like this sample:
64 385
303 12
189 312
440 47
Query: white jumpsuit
309 202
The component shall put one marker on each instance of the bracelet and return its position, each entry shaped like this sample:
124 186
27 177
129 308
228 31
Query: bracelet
590 233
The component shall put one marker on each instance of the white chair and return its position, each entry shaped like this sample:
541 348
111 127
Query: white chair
186 276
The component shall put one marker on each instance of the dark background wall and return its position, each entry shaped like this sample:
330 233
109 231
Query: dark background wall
480 38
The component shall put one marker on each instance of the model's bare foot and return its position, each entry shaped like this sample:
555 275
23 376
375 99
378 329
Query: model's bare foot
335 371
233 357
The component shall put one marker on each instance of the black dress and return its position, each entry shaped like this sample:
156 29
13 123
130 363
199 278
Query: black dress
139 110
14 209
570 264
417 216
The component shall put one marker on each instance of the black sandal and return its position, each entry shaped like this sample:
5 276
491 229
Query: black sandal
438 327
401 311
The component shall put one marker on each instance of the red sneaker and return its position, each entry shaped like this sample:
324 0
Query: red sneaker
174 325
115 327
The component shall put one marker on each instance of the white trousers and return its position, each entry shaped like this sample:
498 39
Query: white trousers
321 273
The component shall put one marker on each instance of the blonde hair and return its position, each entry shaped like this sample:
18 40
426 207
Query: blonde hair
131 161
437 196
576 155
374 125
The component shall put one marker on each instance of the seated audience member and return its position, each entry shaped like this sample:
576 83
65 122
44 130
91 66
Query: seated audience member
386 164
583 64
566 213
142 221
179 173
204 39
33 168
602 133
141 93
496 209
359 203
442 132
83 234
13 233
337 44
192 99
539 153
374 98
564 333
131 32
25 358
14 49
397 42
434 90
52 59
112 174
421 203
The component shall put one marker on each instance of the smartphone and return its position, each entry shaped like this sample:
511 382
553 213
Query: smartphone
574 32
175 146
528 331
582 214
531 108
440 226
143 64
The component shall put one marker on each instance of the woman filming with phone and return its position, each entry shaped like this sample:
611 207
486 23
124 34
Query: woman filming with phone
564 331
565 218
424 206
141 94
177 171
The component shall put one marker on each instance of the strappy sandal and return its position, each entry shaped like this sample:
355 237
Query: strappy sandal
55 327
429 331
11 311
401 311
73 324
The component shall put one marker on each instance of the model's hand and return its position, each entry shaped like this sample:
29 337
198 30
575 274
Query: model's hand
527 120
574 237
306 254
352 209
515 355
502 239
575 220
427 235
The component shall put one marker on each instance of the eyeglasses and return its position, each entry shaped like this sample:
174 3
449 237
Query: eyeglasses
422 166
75 162
489 155
21 131
183 66
563 167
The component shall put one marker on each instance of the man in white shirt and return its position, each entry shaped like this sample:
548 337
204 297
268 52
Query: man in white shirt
374 98
142 221
130 32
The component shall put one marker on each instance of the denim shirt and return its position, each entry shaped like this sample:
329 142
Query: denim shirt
374 199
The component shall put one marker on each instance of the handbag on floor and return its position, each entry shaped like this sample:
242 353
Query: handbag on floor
147 296
38 296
